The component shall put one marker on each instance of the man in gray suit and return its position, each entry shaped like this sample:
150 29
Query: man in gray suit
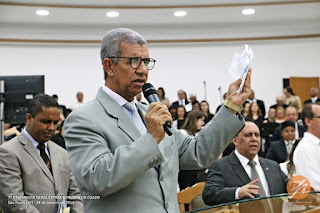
34 171
133 166
232 177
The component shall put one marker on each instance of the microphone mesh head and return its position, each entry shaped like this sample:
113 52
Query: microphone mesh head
148 89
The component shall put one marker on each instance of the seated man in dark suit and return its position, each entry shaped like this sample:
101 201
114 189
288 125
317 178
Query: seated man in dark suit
243 174
280 150
279 102
314 96
291 115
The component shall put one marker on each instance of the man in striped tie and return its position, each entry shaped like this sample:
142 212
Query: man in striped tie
34 171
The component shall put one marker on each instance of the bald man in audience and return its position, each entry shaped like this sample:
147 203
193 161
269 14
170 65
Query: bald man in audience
238 175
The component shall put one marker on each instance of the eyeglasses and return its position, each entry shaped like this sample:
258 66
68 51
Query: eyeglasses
136 61
318 116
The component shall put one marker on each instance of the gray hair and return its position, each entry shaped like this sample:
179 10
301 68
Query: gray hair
110 45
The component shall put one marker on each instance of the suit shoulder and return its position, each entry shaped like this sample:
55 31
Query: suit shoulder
11 144
222 162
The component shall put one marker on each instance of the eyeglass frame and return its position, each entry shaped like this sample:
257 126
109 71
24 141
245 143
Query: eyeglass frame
141 59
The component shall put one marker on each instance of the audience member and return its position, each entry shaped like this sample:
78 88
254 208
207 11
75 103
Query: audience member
79 102
255 114
205 108
162 97
243 174
31 165
279 102
58 137
63 107
182 100
291 114
181 117
193 97
306 157
271 116
10 131
192 125
280 150
259 102
245 110
314 96
280 115
195 105
291 99
115 156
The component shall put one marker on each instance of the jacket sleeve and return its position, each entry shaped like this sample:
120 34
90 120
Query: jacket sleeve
215 191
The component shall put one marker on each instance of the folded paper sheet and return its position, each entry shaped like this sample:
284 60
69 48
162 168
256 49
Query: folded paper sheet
240 64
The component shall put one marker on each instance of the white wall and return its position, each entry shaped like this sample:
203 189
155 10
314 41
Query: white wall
72 68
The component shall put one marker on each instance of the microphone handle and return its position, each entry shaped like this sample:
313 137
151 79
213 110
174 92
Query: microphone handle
167 126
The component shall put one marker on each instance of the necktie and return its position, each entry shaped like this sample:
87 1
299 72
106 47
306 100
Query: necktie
44 156
255 175
131 106
289 147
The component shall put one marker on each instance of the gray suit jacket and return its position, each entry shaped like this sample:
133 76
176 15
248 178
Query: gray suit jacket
130 171
24 173
227 174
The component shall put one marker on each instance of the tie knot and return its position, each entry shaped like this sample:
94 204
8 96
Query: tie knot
131 106
41 146
252 163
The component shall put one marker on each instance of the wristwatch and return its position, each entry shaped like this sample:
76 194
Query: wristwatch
231 105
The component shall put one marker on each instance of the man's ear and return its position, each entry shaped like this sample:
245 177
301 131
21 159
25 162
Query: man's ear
28 118
108 66
235 141
307 121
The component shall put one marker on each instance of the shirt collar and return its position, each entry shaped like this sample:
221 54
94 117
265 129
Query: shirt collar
244 160
115 96
311 137
33 141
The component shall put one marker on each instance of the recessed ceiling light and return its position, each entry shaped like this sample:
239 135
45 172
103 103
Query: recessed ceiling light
248 11
112 14
42 12
180 13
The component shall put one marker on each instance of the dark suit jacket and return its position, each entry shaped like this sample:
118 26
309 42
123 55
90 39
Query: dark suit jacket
309 101
227 174
278 136
277 151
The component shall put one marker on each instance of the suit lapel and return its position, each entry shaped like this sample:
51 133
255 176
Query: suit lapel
117 112
283 149
35 155
267 173
55 163
238 169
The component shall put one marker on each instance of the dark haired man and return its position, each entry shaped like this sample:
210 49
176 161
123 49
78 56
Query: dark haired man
34 171
306 157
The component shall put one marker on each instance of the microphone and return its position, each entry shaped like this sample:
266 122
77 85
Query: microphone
150 94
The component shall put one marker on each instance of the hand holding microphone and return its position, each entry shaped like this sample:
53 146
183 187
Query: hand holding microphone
158 116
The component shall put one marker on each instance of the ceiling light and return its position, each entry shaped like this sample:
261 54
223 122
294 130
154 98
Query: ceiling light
248 11
180 13
112 14
42 12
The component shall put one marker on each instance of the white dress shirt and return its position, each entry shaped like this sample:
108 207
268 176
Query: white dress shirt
306 159
36 143
244 162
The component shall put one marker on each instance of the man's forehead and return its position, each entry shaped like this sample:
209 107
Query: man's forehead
250 127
